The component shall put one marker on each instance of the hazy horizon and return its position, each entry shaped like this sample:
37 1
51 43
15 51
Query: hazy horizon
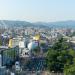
37 10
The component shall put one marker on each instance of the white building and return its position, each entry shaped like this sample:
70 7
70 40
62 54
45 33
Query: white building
25 53
23 50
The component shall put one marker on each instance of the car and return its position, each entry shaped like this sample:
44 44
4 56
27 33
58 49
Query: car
17 66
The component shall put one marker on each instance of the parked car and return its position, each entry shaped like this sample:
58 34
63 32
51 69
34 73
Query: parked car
17 66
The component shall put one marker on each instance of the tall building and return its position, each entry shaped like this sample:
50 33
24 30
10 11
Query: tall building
10 43
23 48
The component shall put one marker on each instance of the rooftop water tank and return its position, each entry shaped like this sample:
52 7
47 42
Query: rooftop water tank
32 45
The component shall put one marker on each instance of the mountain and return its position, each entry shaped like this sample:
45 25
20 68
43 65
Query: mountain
12 24
60 24
19 24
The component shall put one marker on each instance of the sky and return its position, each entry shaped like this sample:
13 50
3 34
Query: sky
37 10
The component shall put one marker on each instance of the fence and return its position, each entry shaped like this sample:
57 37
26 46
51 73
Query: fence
3 71
9 55
37 73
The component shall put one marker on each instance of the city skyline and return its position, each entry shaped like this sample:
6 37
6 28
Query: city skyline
37 10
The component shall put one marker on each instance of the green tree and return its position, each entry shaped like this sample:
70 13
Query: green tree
70 69
0 42
58 56
36 51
